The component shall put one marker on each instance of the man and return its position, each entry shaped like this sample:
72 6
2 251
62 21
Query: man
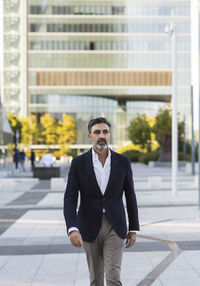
32 159
22 157
47 160
101 176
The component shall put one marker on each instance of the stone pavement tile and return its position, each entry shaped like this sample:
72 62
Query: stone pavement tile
5 241
82 275
7 197
42 230
180 278
135 258
9 282
57 269
28 198
82 282
61 230
42 184
67 283
165 197
184 236
157 282
60 240
130 282
3 261
20 270
35 223
180 264
176 230
193 258
46 215
135 266
198 272
19 230
154 214
44 240
156 257
52 199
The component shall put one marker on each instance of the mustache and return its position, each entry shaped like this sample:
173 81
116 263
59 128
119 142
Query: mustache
101 140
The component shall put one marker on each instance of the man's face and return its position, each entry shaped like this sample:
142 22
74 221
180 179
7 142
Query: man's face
99 136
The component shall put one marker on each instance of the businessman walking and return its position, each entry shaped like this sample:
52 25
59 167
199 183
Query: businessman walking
101 176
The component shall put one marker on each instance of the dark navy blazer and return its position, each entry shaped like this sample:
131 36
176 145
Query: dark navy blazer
82 178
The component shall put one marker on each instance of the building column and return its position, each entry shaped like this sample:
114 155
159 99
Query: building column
24 58
120 122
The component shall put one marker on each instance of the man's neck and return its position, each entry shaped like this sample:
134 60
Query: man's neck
102 154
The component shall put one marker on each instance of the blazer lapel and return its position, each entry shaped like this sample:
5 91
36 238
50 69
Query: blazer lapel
90 171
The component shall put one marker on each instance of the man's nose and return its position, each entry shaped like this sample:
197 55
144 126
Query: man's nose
102 135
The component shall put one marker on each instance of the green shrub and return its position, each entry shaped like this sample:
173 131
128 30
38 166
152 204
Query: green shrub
181 157
151 156
133 155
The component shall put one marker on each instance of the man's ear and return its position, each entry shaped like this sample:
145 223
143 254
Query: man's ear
89 136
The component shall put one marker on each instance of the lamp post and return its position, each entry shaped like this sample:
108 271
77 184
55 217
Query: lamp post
171 30
195 72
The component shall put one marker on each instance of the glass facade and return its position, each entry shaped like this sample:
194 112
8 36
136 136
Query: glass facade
87 36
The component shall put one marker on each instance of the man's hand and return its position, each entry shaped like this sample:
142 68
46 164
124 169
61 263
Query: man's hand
131 239
75 238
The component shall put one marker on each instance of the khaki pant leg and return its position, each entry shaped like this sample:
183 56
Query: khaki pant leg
94 254
113 250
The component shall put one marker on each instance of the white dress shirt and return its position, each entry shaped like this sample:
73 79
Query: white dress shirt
102 174
47 160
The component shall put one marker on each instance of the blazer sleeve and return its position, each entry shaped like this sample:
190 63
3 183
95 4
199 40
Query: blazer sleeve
71 197
131 202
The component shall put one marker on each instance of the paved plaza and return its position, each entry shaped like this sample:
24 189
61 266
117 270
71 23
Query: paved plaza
35 250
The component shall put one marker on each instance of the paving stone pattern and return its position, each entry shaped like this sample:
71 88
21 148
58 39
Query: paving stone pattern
35 249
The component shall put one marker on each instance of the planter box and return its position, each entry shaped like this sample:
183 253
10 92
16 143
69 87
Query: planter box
44 173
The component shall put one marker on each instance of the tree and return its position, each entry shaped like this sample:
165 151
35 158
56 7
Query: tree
67 131
163 125
15 124
139 131
48 131
49 134
26 130
35 130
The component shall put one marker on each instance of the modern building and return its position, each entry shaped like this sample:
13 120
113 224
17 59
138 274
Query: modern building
5 129
195 57
91 58
6 136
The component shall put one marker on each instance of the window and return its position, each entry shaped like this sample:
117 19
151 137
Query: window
90 27
63 45
33 27
165 10
35 9
92 45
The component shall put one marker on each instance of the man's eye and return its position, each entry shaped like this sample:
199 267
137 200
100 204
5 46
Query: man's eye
105 131
96 132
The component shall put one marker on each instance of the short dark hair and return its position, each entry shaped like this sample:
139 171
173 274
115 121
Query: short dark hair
97 121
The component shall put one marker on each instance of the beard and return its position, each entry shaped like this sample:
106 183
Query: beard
100 144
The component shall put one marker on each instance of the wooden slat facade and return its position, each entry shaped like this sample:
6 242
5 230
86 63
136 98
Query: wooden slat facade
104 78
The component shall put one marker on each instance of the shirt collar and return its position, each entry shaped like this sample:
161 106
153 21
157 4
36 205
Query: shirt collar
95 155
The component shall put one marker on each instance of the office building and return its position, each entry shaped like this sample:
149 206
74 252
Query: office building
95 58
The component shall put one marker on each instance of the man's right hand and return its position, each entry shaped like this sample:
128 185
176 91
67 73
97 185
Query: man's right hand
75 238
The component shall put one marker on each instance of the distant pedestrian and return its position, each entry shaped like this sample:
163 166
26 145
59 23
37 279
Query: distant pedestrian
16 158
32 159
47 160
22 156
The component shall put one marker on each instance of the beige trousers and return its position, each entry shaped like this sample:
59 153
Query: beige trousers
105 254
